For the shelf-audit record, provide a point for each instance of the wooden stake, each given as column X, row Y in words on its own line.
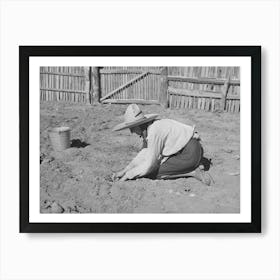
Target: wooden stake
column 163, row 98
column 96, row 81
column 89, row 93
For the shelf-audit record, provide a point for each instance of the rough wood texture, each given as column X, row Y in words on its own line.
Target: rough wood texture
column 188, row 87
column 127, row 71
column 163, row 100
column 147, row 88
column 224, row 94
column 213, row 81
column 96, row 83
column 61, row 73
column 63, row 90
column 198, row 93
column 89, row 93
column 203, row 94
column 63, row 84
column 124, row 86
column 131, row 101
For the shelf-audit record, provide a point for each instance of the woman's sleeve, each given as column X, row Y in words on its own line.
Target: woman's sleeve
column 152, row 157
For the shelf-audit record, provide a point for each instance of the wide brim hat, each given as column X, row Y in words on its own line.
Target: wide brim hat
column 134, row 117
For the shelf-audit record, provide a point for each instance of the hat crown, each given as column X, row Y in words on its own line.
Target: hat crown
column 133, row 113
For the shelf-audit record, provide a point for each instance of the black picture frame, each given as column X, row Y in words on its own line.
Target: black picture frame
column 254, row 52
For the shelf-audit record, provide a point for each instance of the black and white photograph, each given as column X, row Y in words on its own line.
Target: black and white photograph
column 140, row 139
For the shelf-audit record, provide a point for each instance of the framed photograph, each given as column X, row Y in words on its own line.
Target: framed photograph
column 156, row 139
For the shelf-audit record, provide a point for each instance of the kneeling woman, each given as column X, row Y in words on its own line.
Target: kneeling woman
column 171, row 149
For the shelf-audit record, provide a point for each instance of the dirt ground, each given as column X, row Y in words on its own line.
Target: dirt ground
column 76, row 180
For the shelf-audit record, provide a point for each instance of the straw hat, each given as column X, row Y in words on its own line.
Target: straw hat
column 134, row 117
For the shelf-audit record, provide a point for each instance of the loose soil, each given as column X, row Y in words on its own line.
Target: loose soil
column 77, row 180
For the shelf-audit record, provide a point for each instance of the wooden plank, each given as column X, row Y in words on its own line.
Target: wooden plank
column 233, row 106
column 238, row 107
column 187, row 102
column 163, row 97
column 212, row 81
column 213, row 105
column 124, row 86
column 207, row 101
column 61, row 74
column 89, row 93
column 203, row 104
column 63, row 90
column 191, row 102
column 233, row 97
column 183, row 102
column 57, row 83
column 128, row 71
column 199, row 103
column 96, row 83
column 224, row 94
column 194, row 103
column 176, row 102
column 197, row 93
column 130, row 101
column 170, row 101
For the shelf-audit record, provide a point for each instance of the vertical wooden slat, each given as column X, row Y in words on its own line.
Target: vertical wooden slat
column 97, row 83
column 198, row 102
column 224, row 94
column 89, row 93
column 213, row 105
column 56, row 84
column 164, row 88
column 202, row 103
column 233, row 106
column 47, row 86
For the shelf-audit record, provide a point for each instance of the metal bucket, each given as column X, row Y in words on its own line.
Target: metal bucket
column 60, row 138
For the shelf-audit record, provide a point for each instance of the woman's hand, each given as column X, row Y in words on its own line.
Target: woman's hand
column 124, row 178
column 116, row 176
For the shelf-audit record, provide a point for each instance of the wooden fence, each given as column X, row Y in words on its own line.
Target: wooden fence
column 63, row 84
column 204, row 88
column 125, row 84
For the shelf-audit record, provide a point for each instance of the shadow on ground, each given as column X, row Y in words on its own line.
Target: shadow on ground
column 77, row 143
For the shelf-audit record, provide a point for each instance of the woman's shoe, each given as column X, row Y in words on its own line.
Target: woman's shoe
column 203, row 176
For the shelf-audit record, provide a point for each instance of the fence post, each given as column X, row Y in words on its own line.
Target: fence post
column 96, row 86
column 89, row 94
column 224, row 94
column 163, row 98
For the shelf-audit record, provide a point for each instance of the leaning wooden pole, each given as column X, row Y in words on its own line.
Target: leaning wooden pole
column 163, row 98
column 96, row 83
